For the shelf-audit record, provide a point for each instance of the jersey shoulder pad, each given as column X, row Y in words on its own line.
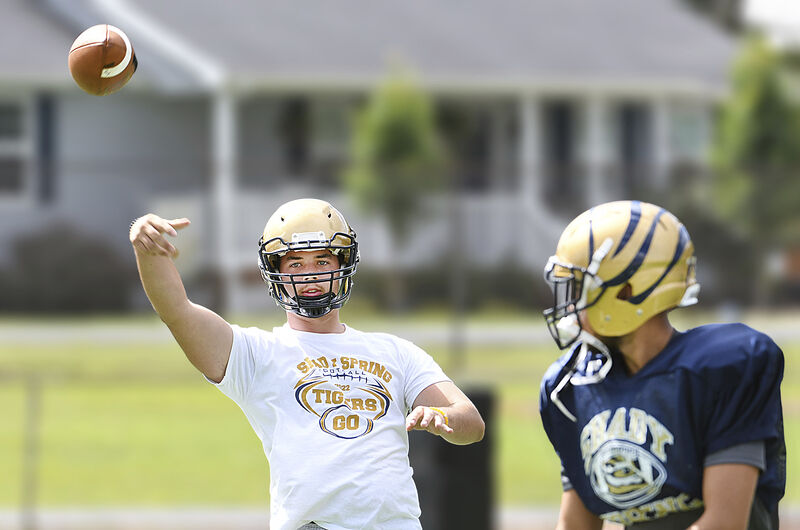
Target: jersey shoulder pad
column 719, row 346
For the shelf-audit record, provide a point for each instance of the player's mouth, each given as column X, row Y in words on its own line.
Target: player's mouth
column 311, row 292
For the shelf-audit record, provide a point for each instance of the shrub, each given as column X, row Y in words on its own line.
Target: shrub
column 65, row 271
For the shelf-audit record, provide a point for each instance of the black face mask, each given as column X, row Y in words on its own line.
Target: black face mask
column 282, row 284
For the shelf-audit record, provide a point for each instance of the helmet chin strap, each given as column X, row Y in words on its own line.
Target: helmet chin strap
column 304, row 307
column 596, row 369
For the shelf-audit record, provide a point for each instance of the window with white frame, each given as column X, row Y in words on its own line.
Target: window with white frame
column 15, row 134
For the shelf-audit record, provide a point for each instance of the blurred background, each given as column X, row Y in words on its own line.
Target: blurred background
column 458, row 138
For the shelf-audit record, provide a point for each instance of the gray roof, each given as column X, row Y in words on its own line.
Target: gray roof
column 454, row 43
column 33, row 44
column 469, row 41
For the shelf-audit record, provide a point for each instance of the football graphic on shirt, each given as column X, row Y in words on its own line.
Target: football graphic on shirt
column 346, row 401
column 624, row 474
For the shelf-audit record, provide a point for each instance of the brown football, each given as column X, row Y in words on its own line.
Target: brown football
column 101, row 60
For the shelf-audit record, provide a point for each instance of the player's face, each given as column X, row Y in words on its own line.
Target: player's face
column 585, row 325
column 315, row 269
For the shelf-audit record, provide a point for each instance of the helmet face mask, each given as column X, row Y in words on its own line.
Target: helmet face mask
column 308, row 225
column 574, row 290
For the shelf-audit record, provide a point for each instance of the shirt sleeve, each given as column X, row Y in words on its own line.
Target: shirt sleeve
column 750, row 453
column 746, row 401
column 421, row 372
column 241, row 369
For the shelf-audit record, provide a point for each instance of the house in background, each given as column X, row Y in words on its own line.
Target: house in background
column 240, row 106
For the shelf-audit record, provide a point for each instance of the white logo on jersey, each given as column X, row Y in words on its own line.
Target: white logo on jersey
column 624, row 474
column 621, row 470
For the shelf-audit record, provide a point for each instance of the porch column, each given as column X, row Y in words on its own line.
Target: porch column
column 530, row 149
column 597, row 155
column 499, row 148
column 662, row 153
column 223, row 147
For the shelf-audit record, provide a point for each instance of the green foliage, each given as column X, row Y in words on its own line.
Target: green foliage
column 757, row 153
column 396, row 155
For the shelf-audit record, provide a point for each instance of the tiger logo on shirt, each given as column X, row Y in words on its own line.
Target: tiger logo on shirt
column 346, row 395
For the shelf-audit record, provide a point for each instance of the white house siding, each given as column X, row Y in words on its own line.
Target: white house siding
column 114, row 154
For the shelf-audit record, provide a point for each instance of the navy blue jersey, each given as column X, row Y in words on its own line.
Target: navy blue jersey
column 637, row 449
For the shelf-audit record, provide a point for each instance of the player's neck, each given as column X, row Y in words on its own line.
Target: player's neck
column 325, row 324
column 644, row 344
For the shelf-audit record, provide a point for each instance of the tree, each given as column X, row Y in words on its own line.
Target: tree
column 396, row 158
column 757, row 154
column 396, row 153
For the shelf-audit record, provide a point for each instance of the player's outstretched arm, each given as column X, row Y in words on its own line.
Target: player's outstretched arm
column 203, row 335
column 443, row 409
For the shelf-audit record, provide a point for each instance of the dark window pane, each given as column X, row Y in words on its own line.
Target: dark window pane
column 10, row 121
column 294, row 130
column 11, row 170
column 46, row 117
column 563, row 183
column 634, row 146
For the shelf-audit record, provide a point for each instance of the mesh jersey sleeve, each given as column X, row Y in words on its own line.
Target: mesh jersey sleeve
column 750, row 453
column 421, row 371
column 746, row 396
column 241, row 369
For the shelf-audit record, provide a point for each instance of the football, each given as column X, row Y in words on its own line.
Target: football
column 101, row 60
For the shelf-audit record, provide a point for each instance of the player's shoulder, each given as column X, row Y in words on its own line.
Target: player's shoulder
column 381, row 338
column 715, row 346
column 253, row 334
column 251, row 330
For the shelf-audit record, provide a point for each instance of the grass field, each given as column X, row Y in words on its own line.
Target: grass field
column 131, row 423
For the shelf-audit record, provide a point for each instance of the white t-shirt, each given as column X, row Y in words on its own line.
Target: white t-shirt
column 330, row 411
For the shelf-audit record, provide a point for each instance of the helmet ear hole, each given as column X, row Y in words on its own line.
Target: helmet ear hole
column 625, row 293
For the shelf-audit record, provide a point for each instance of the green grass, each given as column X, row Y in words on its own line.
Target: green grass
column 128, row 424
column 175, row 444
column 134, row 424
column 11, row 446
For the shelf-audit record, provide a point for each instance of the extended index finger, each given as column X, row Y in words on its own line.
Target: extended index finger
column 181, row 222
column 170, row 226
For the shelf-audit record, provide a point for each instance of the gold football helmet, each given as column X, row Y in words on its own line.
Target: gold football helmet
column 622, row 263
column 308, row 225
